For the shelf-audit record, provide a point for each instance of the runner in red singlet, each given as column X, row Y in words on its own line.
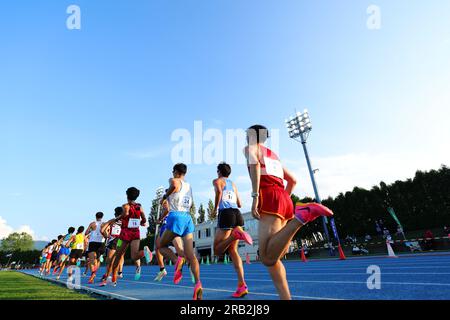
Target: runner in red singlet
column 132, row 218
column 273, row 207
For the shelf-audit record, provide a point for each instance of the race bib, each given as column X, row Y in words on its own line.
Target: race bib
column 115, row 230
column 80, row 246
column 274, row 168
column 229, row 196
column 186, row 203
column 134, row 223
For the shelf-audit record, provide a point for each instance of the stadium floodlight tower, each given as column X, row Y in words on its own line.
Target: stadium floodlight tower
column 299, row 126
column 159, row 195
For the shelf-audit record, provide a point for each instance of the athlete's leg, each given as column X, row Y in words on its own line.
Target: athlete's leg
column 222, row 241
column 63, row 266
column 92, row 261
column 136, row 254
column 179, row 247
column 159, row 256
column 122, row 261
column 275, row 235
column 166, row 238
column 120, row 253
column 237, row 262
column 111, row 257
column 188, row 242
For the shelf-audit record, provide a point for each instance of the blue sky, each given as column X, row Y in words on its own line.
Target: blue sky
column 87, row 113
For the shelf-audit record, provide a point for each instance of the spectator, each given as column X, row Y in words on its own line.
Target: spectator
column 368, row 238
column 399, row 231
column 386, row 233
column 348, row 240
column 446, row 231
column 378, row 228
column 428, row 240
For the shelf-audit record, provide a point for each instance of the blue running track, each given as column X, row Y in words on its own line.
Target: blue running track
column 419, row 277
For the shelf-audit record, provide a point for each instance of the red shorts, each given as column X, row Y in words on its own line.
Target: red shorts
column 129, row 235
column 275, row 200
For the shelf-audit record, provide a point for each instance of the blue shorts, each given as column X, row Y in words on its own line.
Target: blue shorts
column 180, row 223
column 64, row 252
column 162, row 229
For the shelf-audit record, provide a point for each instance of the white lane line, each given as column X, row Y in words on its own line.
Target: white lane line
column 313, row 273
column 110, row 294
column 333, row 273
column 342, row 282
column 223, row 290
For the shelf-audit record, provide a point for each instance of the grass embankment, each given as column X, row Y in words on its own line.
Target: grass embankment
column 18, row 286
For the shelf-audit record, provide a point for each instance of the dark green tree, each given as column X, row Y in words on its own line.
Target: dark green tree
column 201, row 214
column 17, row 242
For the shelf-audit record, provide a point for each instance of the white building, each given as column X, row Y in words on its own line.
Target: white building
column 205, row 232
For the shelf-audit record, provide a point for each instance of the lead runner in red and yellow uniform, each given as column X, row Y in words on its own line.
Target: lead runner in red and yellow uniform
column 273, row 207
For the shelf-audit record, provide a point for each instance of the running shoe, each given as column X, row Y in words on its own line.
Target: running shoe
column 309, row 212
column 241, row 291
column 137, row 276
column 240, row 234
column 121, row 275
column 198, row 291
column 179, row 270
column 103, row 283
column 148, row 255
column 57, row 278
column 161, row 275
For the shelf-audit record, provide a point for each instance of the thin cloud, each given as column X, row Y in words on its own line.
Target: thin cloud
column 6, row 230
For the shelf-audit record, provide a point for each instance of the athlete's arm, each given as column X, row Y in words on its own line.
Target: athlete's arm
column 174, row 185
column 166, row 211
column 71, row 240
column 218, row 191
column 254, row 169
column 106, row 229
column 143, row 218
column 291, row 181
column 108, row 224
column 126, row 209
column 89, row 229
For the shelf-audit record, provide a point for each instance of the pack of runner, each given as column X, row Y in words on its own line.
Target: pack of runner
column 279, row 221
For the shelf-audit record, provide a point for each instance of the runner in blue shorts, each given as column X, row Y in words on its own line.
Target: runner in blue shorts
column 166, row 252
column 180, row 224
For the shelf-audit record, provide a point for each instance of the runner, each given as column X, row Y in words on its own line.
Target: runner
column 111, row 231
column 78, row 244
column 55, row 254
column 166, row 252
column 48, row 263
column 43, row 260
column 132, row 218
column 180, row 224
column 96, row 245
column 65, row 251
column 273, row 207
column 230, row 223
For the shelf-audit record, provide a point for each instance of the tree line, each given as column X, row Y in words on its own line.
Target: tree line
column 422, row 202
